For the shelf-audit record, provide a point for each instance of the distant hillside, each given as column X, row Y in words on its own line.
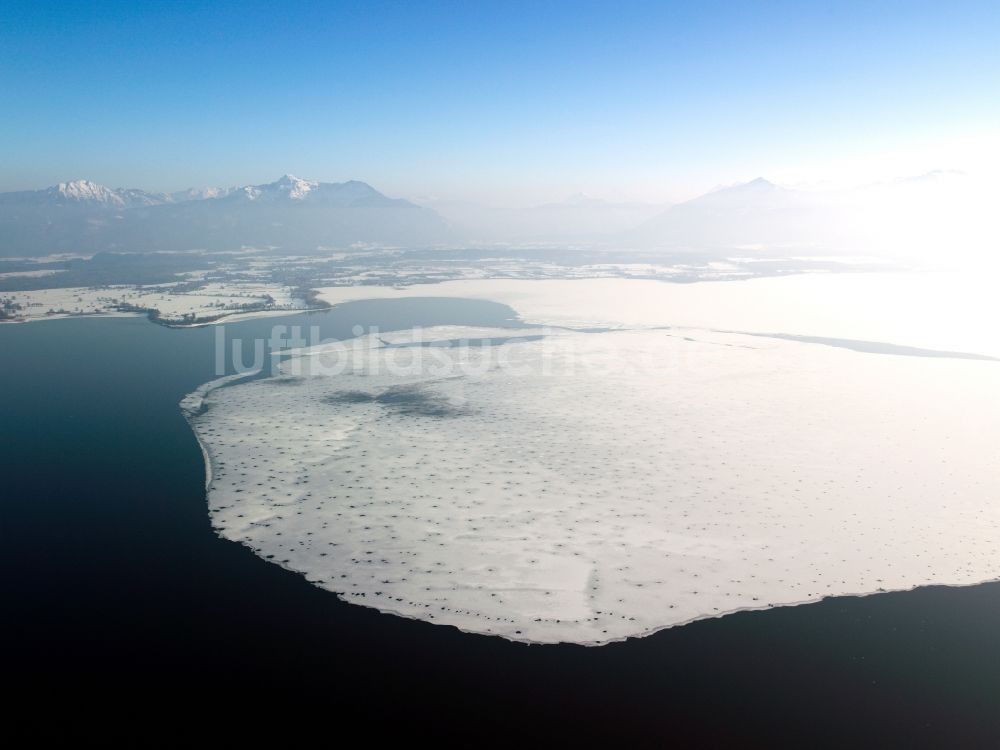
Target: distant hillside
column 755, row 215
column 578, row 218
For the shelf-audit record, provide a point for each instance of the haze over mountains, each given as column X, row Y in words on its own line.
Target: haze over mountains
column 940, row 211
column 757, row 214
column 940, row 216
column 579, row 218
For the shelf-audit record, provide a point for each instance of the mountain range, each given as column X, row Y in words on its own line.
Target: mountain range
column 290, row 213
column 926, row 215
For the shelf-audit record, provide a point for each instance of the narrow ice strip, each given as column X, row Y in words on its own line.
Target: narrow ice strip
column 940, row 311
column 438, row 336
column 871, row 347
column 587, row 488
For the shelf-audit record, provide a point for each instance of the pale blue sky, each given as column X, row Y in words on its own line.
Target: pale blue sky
column 491, row 101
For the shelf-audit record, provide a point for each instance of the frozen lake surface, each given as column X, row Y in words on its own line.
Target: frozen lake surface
column 568, row 486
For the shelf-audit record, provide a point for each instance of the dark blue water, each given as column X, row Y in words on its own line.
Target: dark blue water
column 116, row 591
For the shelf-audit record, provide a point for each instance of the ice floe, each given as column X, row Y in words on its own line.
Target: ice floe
column 561, row 486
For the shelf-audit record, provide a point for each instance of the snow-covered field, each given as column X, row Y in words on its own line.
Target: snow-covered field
column 592, row 486
column 173, row 304
column 204, row 286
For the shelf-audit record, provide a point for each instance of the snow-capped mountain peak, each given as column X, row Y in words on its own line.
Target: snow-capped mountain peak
column 87, row 193
column 286, row 187
column 85, row 190
column 295, row 187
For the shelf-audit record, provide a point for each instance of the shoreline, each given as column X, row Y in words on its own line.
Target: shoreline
column 193, row 404
column 170, row 323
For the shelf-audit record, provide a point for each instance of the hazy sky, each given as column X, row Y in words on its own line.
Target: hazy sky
column 506, row 101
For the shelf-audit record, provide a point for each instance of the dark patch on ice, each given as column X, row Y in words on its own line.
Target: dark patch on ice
column 290, row 381
column 407, row 400
column 350, row 397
